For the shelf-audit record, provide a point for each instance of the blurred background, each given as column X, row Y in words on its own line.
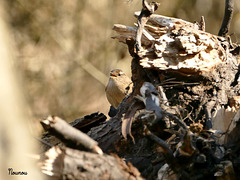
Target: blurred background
column 65, row 51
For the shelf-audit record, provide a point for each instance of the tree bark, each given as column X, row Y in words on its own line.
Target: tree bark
column 66, row 163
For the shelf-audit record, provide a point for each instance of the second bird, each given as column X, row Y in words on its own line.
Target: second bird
column 119, row 85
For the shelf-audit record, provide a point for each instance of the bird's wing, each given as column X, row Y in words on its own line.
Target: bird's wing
column 128, row 89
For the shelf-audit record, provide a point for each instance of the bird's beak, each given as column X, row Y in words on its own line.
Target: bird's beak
column 112, row 74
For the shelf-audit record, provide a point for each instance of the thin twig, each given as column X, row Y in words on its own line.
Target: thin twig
column 229, row 4
column 189, row 114
column 202, row 23
column 177, row 120
column 92, row 70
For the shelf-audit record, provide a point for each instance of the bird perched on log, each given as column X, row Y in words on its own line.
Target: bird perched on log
column 149, row 96
column 118, row 87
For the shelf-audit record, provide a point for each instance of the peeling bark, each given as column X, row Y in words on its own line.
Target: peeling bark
column 66, row 163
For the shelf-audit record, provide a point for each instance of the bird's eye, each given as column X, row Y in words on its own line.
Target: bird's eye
column 119, row 74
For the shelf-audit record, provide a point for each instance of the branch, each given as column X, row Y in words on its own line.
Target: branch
column 166, row 151
column 70, row 136
column 229, row 4
column 146, row 12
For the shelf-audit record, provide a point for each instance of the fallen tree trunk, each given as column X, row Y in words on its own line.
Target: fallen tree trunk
column 61, row 162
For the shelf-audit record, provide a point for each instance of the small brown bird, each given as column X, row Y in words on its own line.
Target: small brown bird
column 119, row 85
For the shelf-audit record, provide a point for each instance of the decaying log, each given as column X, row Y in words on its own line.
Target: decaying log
column 183, row 113
column 67, row 163
column 61, row 162
column 196, row 74
column 171, row 44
